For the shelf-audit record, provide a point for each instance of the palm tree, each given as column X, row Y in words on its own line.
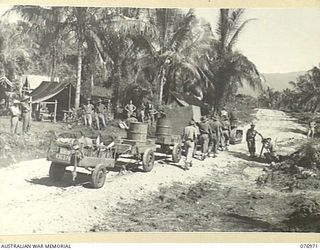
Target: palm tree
column 49, row 22
column 171, row 47
column 226, row 68
column 60, row 23
column 307, row 89
column 15, row 51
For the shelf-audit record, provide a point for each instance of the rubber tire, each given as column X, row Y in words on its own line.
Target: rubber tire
column 148, row 160
column 176, row 153
column 56, row 171
column 98, row 176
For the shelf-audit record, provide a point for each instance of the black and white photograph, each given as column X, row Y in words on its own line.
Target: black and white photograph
column 127, row 119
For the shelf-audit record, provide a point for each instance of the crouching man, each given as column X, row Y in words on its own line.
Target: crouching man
column 271, row 154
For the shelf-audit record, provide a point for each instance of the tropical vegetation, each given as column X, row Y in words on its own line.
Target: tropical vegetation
column 139, row 54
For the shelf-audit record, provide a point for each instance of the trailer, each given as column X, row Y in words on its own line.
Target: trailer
column 169, row 143
column 86, row 153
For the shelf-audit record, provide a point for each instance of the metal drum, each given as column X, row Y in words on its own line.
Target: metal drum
column 138, row 131
column 163, row 127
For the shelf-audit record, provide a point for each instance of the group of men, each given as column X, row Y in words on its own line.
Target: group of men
column 100, row 112
column 20, row 111
column 212, row 133
column 146, row 112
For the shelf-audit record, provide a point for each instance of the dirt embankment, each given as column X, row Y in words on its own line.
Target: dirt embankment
column 220, row 194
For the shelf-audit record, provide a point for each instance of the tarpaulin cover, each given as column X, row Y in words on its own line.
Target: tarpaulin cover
column 47, row 90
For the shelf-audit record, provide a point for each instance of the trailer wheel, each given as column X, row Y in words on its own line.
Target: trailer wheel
column 56, row 171
column 176, row 153
column 98, row 176
column 148, row 160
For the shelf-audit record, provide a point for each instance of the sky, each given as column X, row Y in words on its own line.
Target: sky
column 279, row 41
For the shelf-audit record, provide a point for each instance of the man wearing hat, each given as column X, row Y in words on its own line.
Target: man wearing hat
column 189, row 136
column 88, row 111
column 215, row 135
column 15, row 114
column 26, row 117
column 251, row 139
column 226, row 131
column 205, row 133
column 271, row 154
column 100, row 114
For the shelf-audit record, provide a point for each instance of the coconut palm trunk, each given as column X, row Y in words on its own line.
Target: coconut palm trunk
column 79, row 72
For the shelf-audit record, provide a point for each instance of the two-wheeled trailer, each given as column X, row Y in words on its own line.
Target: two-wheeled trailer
column 83, row 153
column 169, row 143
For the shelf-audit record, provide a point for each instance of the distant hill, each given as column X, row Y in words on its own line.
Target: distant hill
column 277, row 81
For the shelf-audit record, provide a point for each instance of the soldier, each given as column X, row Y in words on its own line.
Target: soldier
column 271, row 154
column 251, row 139
column 233, row 118
column 226, row 130
column 100, row 111
column 311, row 129
column 142, row 112
column 150, row 110
column 25, row 111
column 109, row 112
column 130, row 108
column 15, row 115
column 215, row 135
column 189, row 136
column 205, row 133
column 88, row 112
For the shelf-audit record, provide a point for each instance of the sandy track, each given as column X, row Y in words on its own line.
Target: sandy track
column 31, row 203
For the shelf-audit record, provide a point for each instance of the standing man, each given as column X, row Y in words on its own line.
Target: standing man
column 205, row 133
column 150, row 110
column 215, row 135
column 251, row 139
column 15, row 114
column 189, row 136
column 109, row 112
column 233, row 118
column 88, row 111
column 26, row 115
column 226, row 130
column 311, row 129
column 130, row 108
column 100, row 114
column 142, row 112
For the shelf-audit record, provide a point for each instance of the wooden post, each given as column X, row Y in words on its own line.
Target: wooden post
column 30, row 99
column 55, row 111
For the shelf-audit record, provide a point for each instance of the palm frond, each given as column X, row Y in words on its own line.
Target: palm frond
column 236, row 34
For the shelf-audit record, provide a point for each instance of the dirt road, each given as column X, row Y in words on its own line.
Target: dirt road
column 31, row 203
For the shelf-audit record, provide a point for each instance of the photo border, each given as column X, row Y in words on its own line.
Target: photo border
column 171, row 237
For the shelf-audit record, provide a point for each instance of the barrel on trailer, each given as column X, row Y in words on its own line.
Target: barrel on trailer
column 138, row 131
column 164, row 128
